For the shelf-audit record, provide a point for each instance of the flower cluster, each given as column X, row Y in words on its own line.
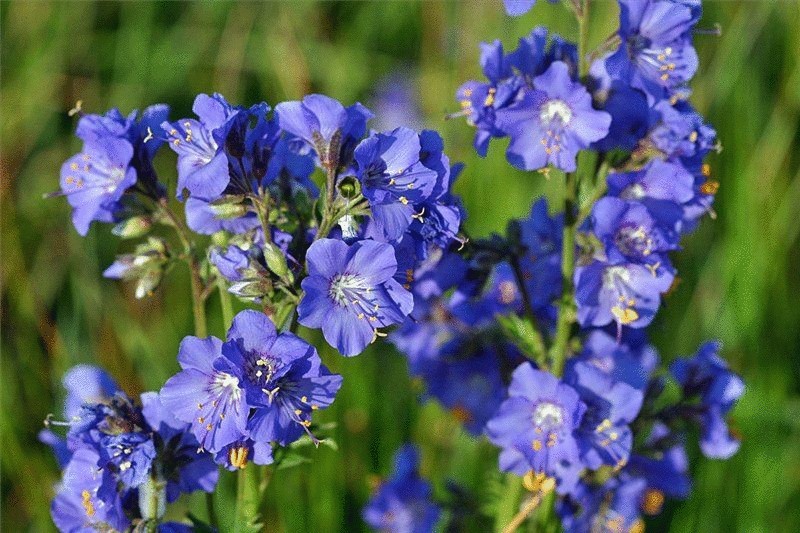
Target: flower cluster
column 534, row 339
column 257, row 388
column 122, row 462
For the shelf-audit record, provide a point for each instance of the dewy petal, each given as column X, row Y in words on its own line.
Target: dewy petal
column 252, row 331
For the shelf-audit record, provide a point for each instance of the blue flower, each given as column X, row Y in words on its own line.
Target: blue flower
column 329, row 128
column 550, row 124
column 350, row 292
column 393, row 179
column 139, row 133
column 536, row 427
column 656, row 54
column 626, row 293
column 480, row 101
column 705, row 378
column 629, row 232
column 403, row 504
column 283, row 379
column 605, row 435
column 540, row 256
column 623, row 361
column 206, row 394
column 87, row 499
column 202, row 162
column 95, row 180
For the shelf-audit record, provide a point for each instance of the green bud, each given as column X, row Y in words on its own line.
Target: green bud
column 350, row 187
column 133, row 227
column 275, row 260
column 229, row 211
column 148, row 282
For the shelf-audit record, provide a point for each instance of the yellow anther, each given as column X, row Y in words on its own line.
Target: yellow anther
column 86, row 501
column 709, row 187
column 403, row 200
column 304, row 399
column 536, row 445
column 201, row 419
column 693, row 136
column 73, row 166
column 624, row 315
column 652, row 502
column 298, row 412
column 208, row 427
column 238, row 456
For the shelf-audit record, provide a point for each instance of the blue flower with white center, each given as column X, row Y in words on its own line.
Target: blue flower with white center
column 710, row 391
column 605, row 435
column 393, row 179
column 202, row 162
column 350, row 293
column 326, row 126
column 403, row 503
column 95, row 180
column 681, row 133
column 627, row 293
column 629, row 232
column 283, row 378
column 536, row 427
column 206, row 394
column 656, row 54
column 550, row 124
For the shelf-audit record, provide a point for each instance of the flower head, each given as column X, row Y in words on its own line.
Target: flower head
column 656, row 54
column 550, row 124
column 95, row 180
column 350, row 292
column 536, row 427
column 206, row 394
column 393, row 179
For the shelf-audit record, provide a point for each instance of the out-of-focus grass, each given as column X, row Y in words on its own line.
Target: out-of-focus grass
column 739, row 273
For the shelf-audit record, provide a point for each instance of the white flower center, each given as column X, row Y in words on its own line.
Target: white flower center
column 548, row 415
column 614, row 274
column 634, row 191
column 553, row 109
column 342, row 284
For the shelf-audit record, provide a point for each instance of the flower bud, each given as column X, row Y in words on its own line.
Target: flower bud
column 133, row 227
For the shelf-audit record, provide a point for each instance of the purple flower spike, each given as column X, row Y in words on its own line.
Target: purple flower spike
column 550, row 124
column 350, row 293
column 536, row 427
column 206, row 395
column 95, row 180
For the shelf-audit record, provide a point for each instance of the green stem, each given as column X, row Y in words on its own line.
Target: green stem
column 566, row 309
column 198, row 301
column 583, row 38
column 241, row 488
column 225, row 302
column 508, row 506
column 601, row 185
column 212, row 511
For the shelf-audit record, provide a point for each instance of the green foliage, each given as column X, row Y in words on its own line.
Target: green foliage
column 739, row 276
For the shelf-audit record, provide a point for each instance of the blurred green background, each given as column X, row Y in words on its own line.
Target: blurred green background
column 740, row 275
